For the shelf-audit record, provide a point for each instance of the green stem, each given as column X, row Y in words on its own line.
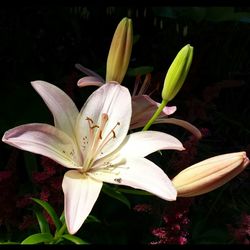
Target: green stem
column 156, row 114
column 60, row 232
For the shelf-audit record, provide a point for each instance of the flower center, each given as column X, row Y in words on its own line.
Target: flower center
column 96, row 141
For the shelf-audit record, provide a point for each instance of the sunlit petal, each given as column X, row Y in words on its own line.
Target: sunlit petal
column 89, row 81
column 188, row 126
column 143, row 108
column 113, row 100
column 142, row 174
column 143, row 143
column 80, row 195
column 89, row 72
column 62, row 107
column 45, row 140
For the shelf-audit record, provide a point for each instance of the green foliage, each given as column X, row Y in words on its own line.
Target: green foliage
column 112, row 192
column 49, row 209
column 198, row 14
column 74, row 239
column 143, row 70
column 38, row 238
column 43, row 224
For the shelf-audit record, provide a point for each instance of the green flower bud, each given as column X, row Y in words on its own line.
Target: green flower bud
column 177, row 73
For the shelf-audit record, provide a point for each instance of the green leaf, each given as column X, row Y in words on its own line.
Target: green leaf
column 50, row 210
column 164, row 12
column 143, row 70
column 38, row 238
column 43, row 224
column 10, row 243
column 133, row 191
column 74, row 239
column 62, row 218
column 92, row 218
column 136, row 38
column 115, row 194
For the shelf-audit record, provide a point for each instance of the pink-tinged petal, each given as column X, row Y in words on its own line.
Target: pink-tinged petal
column 80, row 195
column 89, row 81
column 143, row 108
column 139, row 173
column 188, row 126
column 113, row 100
column 45, row 140
column 143, row 143
column 89, row 72
column 60, row 104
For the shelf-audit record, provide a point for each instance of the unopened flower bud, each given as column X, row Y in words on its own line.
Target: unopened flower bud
column 177, row 73
column 209, row 174
column 120, row 51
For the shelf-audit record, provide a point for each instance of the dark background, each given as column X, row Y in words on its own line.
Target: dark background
column 44, row 43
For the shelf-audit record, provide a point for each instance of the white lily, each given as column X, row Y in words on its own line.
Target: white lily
column 143, row 106
column 95, row 145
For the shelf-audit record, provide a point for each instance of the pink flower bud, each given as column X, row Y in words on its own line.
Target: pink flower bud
column 209, row 174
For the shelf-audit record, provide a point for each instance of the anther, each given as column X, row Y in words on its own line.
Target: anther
column 119, row 180
column 89, row 119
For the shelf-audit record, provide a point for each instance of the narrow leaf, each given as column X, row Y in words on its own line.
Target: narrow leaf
column 10, row 243
column 115, row 194
column 50, row 210
column 143, row 70
column 43, row 224
column 133, row 191
column 74, row 239
column 62, row 218
column 92, row 218
column 38, row 238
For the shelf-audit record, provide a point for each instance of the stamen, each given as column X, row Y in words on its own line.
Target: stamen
column 119, row 180
column 95, row 126
column 89, row 120
column 103, row 123
column 93, row 145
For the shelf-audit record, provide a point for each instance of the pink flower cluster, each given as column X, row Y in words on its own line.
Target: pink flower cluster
column 175, row 224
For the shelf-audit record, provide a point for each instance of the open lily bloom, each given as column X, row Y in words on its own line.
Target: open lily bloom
column 94, row 144
column 143, row 106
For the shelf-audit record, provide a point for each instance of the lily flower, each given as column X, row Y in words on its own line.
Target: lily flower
column 209, row 174
column 94, row 144
column 143, row 106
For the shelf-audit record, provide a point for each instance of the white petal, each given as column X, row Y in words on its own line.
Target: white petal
column 188, row 126
column 89, row 72
column 45, row 140
column 143, row 108
column 143, row 143
column 60, row 104
column 142, row 174
column 80, row 195
column 89, row 81
column 113, row 100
